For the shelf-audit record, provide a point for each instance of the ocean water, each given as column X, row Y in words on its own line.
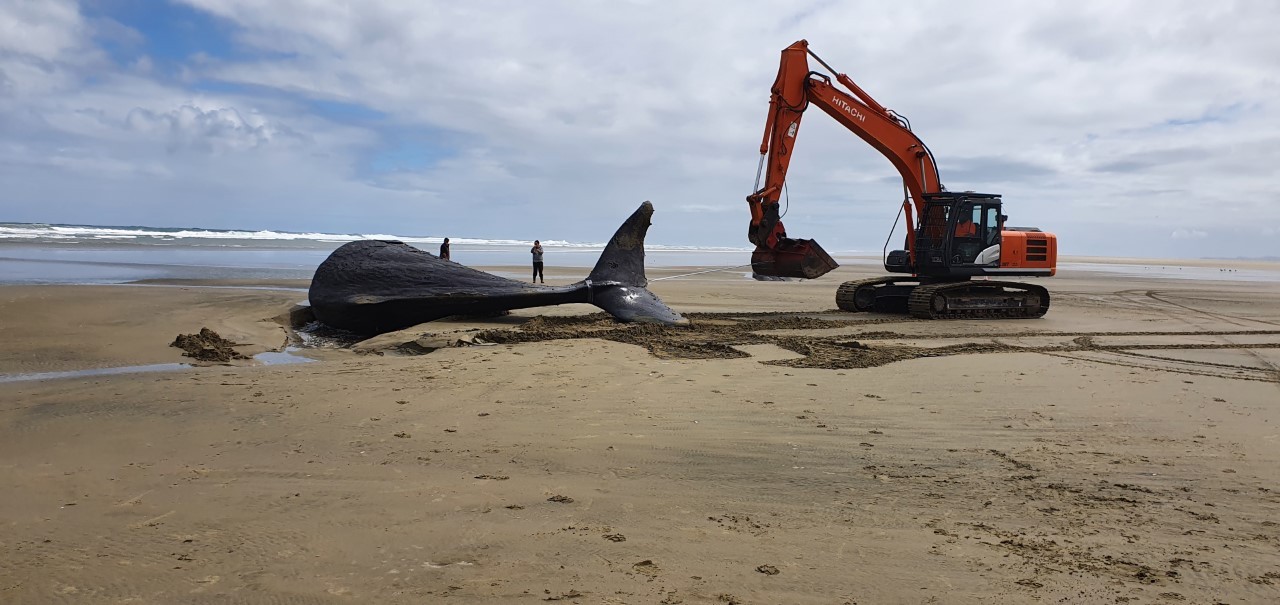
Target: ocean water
column 85, row 254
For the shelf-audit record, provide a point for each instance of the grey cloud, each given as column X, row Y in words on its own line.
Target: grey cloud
column 1145, row 160
column 977, row 170
column 223, row 129
column 1083, row 37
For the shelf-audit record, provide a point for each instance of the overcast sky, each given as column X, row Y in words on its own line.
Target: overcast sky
column 1127, row 128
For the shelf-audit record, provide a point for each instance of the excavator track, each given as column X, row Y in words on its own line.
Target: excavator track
column 859, row 296
column 978, row 300
column 949, row 300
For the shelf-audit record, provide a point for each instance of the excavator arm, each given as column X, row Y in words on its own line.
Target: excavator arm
column 795, row 88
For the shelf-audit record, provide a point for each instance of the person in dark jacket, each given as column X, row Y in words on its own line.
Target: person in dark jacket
column 444, row 249
column 536, row 251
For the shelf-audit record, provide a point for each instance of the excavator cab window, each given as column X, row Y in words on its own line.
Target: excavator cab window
column 991, row 226
column 976, row 233
column 967, row 243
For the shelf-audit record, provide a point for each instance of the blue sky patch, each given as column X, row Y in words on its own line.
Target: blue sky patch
column 171, row 32
column 1211, row 115
column 407, row 152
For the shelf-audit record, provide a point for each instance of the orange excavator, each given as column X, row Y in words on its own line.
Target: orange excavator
column 952, row 237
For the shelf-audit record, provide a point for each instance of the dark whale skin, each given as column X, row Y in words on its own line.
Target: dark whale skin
column 376, row 286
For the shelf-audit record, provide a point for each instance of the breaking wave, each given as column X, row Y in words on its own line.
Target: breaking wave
column 91, row 233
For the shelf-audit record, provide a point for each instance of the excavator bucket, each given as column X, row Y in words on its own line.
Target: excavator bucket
column 793, row 258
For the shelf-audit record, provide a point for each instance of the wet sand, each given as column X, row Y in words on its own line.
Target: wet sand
column 1123, row 449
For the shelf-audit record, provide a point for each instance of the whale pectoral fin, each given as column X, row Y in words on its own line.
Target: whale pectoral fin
column 635, row 304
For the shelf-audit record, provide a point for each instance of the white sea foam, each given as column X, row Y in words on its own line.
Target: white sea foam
column 29, row 231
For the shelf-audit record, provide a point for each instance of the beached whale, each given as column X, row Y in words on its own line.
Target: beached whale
column 377, row 286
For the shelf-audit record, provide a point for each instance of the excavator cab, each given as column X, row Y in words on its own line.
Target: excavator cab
column 957, row 235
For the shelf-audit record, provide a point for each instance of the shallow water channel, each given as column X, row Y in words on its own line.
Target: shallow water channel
column 268, row 358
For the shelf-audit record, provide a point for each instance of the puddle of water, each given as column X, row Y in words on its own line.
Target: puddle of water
column 270, row 358
column 316, row 335
column 155, row 367
column 285, row 357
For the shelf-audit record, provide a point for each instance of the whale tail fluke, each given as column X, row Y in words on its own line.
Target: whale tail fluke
column 618, row 283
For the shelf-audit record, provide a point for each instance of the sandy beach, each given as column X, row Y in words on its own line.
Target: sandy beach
column 1123, row 449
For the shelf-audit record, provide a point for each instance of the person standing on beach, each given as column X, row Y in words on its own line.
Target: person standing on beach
column 537, row 261
column 444, row 249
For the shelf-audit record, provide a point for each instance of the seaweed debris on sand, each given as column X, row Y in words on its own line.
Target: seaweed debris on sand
column 207, row 345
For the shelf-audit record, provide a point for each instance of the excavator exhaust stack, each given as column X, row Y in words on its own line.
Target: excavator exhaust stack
column 793, row 258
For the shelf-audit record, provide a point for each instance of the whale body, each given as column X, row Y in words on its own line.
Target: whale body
column 376, row 286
